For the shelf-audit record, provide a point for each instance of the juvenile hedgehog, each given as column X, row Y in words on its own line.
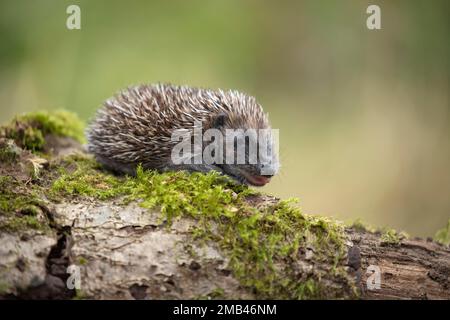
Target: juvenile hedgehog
column 136, row 127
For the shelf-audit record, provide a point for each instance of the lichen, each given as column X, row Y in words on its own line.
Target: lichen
column 263, row 246
column 29, row 130
column 443, row 235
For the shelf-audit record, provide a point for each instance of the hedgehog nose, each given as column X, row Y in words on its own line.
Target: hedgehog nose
column 268, row 170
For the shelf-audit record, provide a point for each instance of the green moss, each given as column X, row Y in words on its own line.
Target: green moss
column 392, row 237
column 12, row 200
column 87, row 180
column 9, row 152
column 263, row 245
column 33, row 139
column 16, row 223
column 79, row 295
column 260, row 241
column 19, row 208
column 4, row 287
column 443, row 235
column 29, row 130
column 308, row 289
column 82, row 261
column 387, row 236
column 217, row 293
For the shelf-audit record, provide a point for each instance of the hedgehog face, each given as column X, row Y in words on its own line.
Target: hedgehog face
column 250, row 172
column 249, row 154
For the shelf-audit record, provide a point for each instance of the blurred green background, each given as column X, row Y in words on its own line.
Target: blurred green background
column 363, row 115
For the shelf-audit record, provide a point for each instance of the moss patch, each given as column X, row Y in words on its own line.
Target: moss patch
column 9, row 152
column 388, row 236
column 216, row 294
column 81, row 175
column 16, row 223
column 392, row 237
column 443, row 235
column 265, row 246
column 19, row 209
column 4, row 287
column 29, row 130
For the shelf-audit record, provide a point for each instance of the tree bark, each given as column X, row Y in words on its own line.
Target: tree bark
column 127, row 252
column 411, row 269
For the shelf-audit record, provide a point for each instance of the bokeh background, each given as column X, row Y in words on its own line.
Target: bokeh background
column 364, row 116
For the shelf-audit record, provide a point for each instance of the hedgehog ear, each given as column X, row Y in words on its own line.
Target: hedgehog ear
column 219, row 120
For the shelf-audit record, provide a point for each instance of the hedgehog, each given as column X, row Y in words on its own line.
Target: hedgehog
column 136, row 127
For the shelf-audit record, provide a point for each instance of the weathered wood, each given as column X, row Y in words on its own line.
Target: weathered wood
column 411, row 269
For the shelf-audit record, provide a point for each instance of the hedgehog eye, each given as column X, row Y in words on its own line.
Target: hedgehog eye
column 219, row 121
